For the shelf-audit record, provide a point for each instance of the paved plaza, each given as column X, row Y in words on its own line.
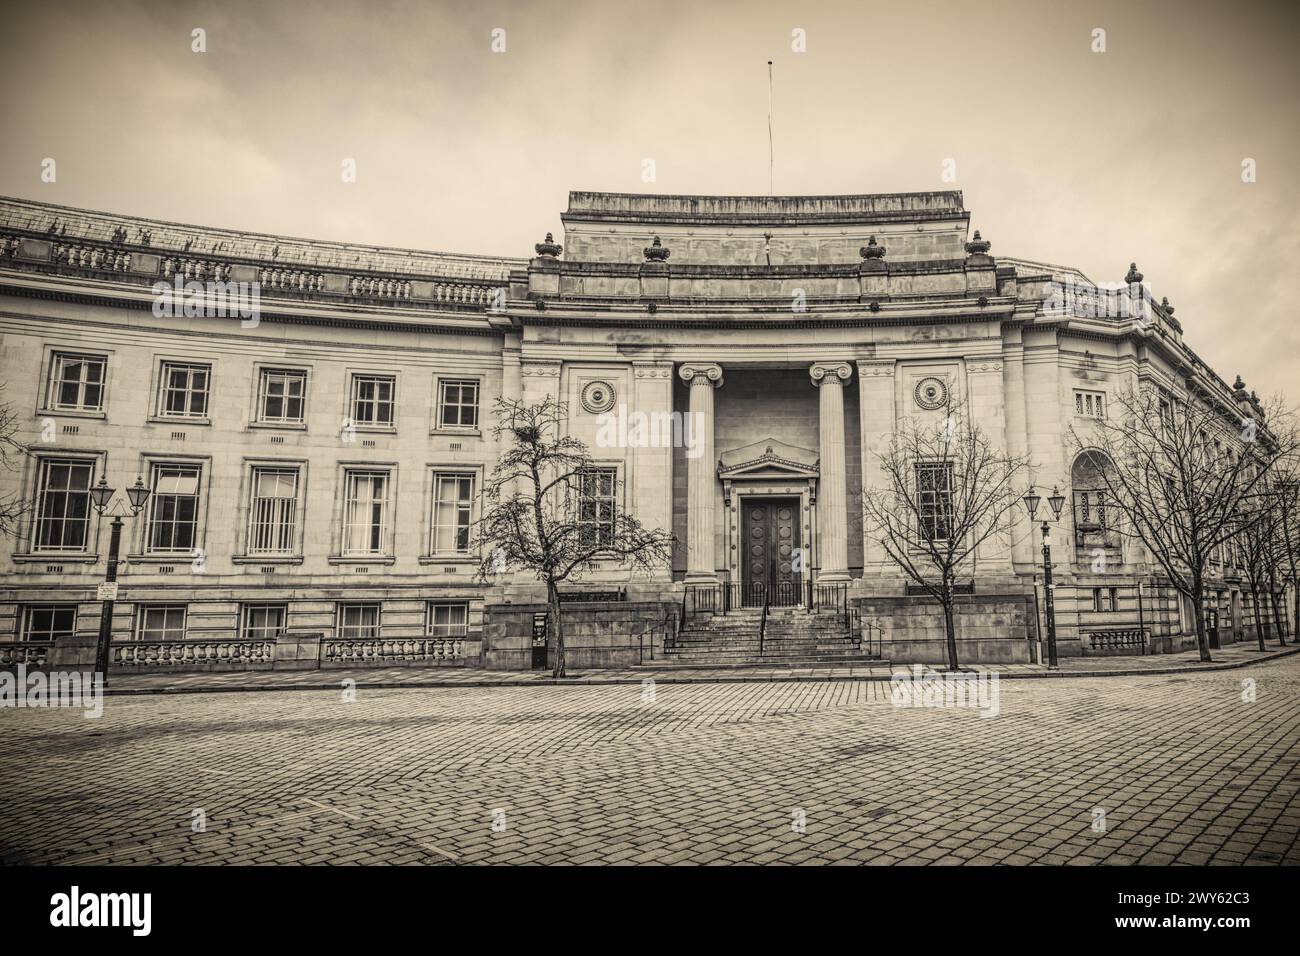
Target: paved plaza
column 1201, row 767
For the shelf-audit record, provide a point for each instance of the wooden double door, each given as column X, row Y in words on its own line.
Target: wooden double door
column 770, row 530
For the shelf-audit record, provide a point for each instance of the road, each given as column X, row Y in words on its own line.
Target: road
column 1149, row 769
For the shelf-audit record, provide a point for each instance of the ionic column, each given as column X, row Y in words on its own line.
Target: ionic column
column 832, row 495
column 702, row 378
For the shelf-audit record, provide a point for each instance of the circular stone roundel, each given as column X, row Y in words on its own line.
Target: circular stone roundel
column 598, row 397
column 931, row 393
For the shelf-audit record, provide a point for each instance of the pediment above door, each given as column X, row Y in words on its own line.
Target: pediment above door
column 770, row 466
column 768, row 459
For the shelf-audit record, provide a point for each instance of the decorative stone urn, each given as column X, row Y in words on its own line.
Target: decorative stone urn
column 549, row 249
column 871, row 250
column 978, row 246
column 656, row 251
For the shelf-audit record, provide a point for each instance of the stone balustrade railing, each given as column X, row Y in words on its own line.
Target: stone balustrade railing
column 1124, row 637
column 196, row 269
column 146, row 654
column 104, row 257
column 29, row 653
column 380, row 287
column 294, row 280
column 385, row 650
column 80, row 255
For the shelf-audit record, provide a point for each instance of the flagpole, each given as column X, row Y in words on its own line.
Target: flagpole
column 771, row 182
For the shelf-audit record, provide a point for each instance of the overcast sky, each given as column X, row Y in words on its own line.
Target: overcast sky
column 1064, row 155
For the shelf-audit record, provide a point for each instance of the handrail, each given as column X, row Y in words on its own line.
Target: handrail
column 762, row 623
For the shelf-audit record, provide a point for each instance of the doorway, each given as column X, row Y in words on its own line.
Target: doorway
column 771, row 535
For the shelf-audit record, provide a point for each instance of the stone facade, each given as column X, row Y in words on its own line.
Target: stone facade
column 787, row 336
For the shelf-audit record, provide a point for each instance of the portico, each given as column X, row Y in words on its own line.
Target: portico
column 767, row 511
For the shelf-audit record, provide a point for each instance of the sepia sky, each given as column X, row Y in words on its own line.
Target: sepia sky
column 1064, row 155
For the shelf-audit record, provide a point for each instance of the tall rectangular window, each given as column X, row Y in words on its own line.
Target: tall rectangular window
column 280, row 396
column 45, row 622
column 263, row 622
column 596, row 500
column 183, row 390
column 372, row 399
column 365, row 512
column 458, row 403
column 934, row 499
column 447, row 619
column 174, row 509
column 62, row 521
column 160, row 622
column 273, row 511
column 452, row 508
column 76, row 382
column 358, row 622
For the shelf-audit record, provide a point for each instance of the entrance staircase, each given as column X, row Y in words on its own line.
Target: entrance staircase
column 787, row 637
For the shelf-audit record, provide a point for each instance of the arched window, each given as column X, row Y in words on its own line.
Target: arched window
column 1093, row 514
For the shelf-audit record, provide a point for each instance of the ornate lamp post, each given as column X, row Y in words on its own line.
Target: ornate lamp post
column 101, row 495
column 1057, row 502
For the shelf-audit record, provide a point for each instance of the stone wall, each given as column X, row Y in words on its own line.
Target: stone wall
column 991, row 629
column 605, row 634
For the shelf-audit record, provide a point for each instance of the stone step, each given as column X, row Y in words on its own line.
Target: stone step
column 677, row 653
column 772, row 628
column 830, row 641
column 808, row 641
column 754, row 662
column 775, row 641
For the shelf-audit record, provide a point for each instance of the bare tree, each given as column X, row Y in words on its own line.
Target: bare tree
column 1288, row 485
column 947, row 489
column 1187, row 476
column 550, row 509
column 1259, row 539
column 1284, row 556
column 12, row 505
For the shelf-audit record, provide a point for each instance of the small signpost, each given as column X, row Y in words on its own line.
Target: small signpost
column 107, row 591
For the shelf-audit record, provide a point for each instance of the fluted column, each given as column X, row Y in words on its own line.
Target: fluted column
column 702, row 378
column 832, row 496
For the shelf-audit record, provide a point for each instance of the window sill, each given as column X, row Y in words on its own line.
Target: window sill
column 70, row 413
column 160, row 420
column 374, row 429
column 386, row 559
column 54, row 557
column 179, row 557
column 467, row 559
column 457, row 432
column 280, row 426
column 266, row 559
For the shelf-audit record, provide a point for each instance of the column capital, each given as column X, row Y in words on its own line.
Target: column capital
column 825, row 373
column 701, row 373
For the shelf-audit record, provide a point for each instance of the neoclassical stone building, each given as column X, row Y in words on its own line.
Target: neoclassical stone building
column 733, row 362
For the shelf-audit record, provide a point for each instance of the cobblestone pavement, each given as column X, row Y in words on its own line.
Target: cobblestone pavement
column 1184, row 769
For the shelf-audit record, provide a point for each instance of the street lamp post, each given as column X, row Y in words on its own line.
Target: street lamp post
column 101, row 496
column 1057, row 502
